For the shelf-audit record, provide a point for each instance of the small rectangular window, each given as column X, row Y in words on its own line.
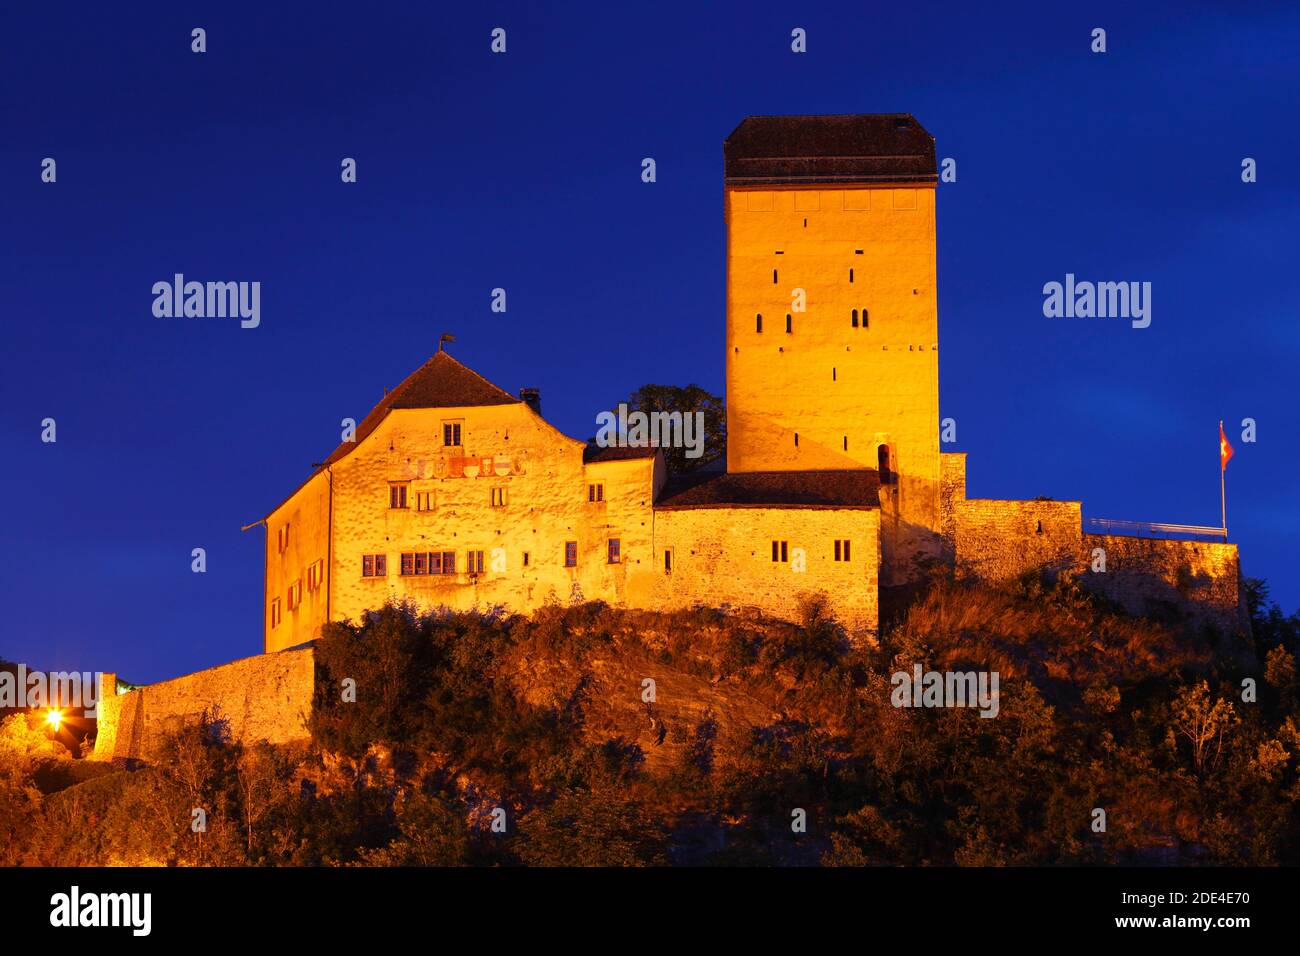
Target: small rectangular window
column 570, row 554
column 424, row 501
column 527, row 558
column 449, row 562
column 758, row 322
column 367, row 565
column 668, row 562
column 615, row 548
column 435, row 562
column 282, row 538
column 451, row 434
column 780, row 551
column 596, row 492
column 498, row 497
column 773, row 277
column 408, row 562
column 474, row 562
column 788, row 324
column 421, row 562
column 843, row 550
column 315, row 574
column 381, row 565
column 397, row 496
column 275, row 612
column 850, row 275
column 294, row 597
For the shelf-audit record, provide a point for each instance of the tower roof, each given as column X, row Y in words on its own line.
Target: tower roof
column 441, row 382
column 845, row 149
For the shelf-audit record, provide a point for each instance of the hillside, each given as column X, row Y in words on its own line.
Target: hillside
column 501, row 739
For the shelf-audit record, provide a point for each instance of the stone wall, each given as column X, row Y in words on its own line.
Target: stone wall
column 267, row 697
column 1001, row 540
column 723, row 556
column 1150, row 575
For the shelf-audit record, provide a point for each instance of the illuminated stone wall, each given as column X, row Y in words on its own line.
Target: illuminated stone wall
column 267, row 697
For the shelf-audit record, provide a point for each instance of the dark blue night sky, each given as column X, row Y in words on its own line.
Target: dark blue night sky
column 523, row 171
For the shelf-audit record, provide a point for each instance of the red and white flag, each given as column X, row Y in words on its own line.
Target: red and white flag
column 1225, row 450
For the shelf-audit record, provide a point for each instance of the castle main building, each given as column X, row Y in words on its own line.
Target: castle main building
column 456, row 493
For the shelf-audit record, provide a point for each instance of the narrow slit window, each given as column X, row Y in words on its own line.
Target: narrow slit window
column 758, row 322
column 864, row 318
column 668, row 562
column 773, row 277
column 570, row 554
column 789, row 324
column 850, row 275
column 855, row 318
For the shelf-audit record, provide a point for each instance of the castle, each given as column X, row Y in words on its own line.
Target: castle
column 456, row 493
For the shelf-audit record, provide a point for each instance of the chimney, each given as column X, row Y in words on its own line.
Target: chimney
column 532, row 397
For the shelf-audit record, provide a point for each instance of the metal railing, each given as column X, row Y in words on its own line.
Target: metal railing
column 1151, row 528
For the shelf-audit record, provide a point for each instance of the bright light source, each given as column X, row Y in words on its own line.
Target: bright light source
column 53, row 718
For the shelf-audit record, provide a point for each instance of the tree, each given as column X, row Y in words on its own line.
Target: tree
column 688, row 401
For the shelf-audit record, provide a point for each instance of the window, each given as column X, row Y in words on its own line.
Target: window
column 882, row 458
column 275, row 612
column 842, row 550
column 570, row 554
column 295, row 594
column 397, row 496
column 615, row 547
column 668, row 562
column 424, row 501
column 788, row 326
column 758, row 322
column 374, row 565
column 596, row 492
column 315, row 574
column 421, row 562
column 527, row 558
column 435, row 562
column 855, row 318
column 408, row 563
column 498, row 497
column 773, row 277
column 846, row 442
column 282, row 538
column 449, row 562
column 451, row 434
column 474, row 562
column 780, row 551
column 796, row 439
column 850, row 275
column 864, row 318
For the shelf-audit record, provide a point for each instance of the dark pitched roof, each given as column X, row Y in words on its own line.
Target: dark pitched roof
column 856, row 488
column 596, row 453
column 858, row 148
column 441, row 382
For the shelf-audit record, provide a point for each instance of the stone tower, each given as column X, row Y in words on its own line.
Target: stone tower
column 832, row 326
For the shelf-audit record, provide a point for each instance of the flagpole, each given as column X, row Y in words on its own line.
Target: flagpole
column 1223, row 494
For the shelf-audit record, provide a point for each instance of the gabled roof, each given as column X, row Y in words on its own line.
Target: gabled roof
column 849, row 488
column 441, row 382
column 846, row 149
